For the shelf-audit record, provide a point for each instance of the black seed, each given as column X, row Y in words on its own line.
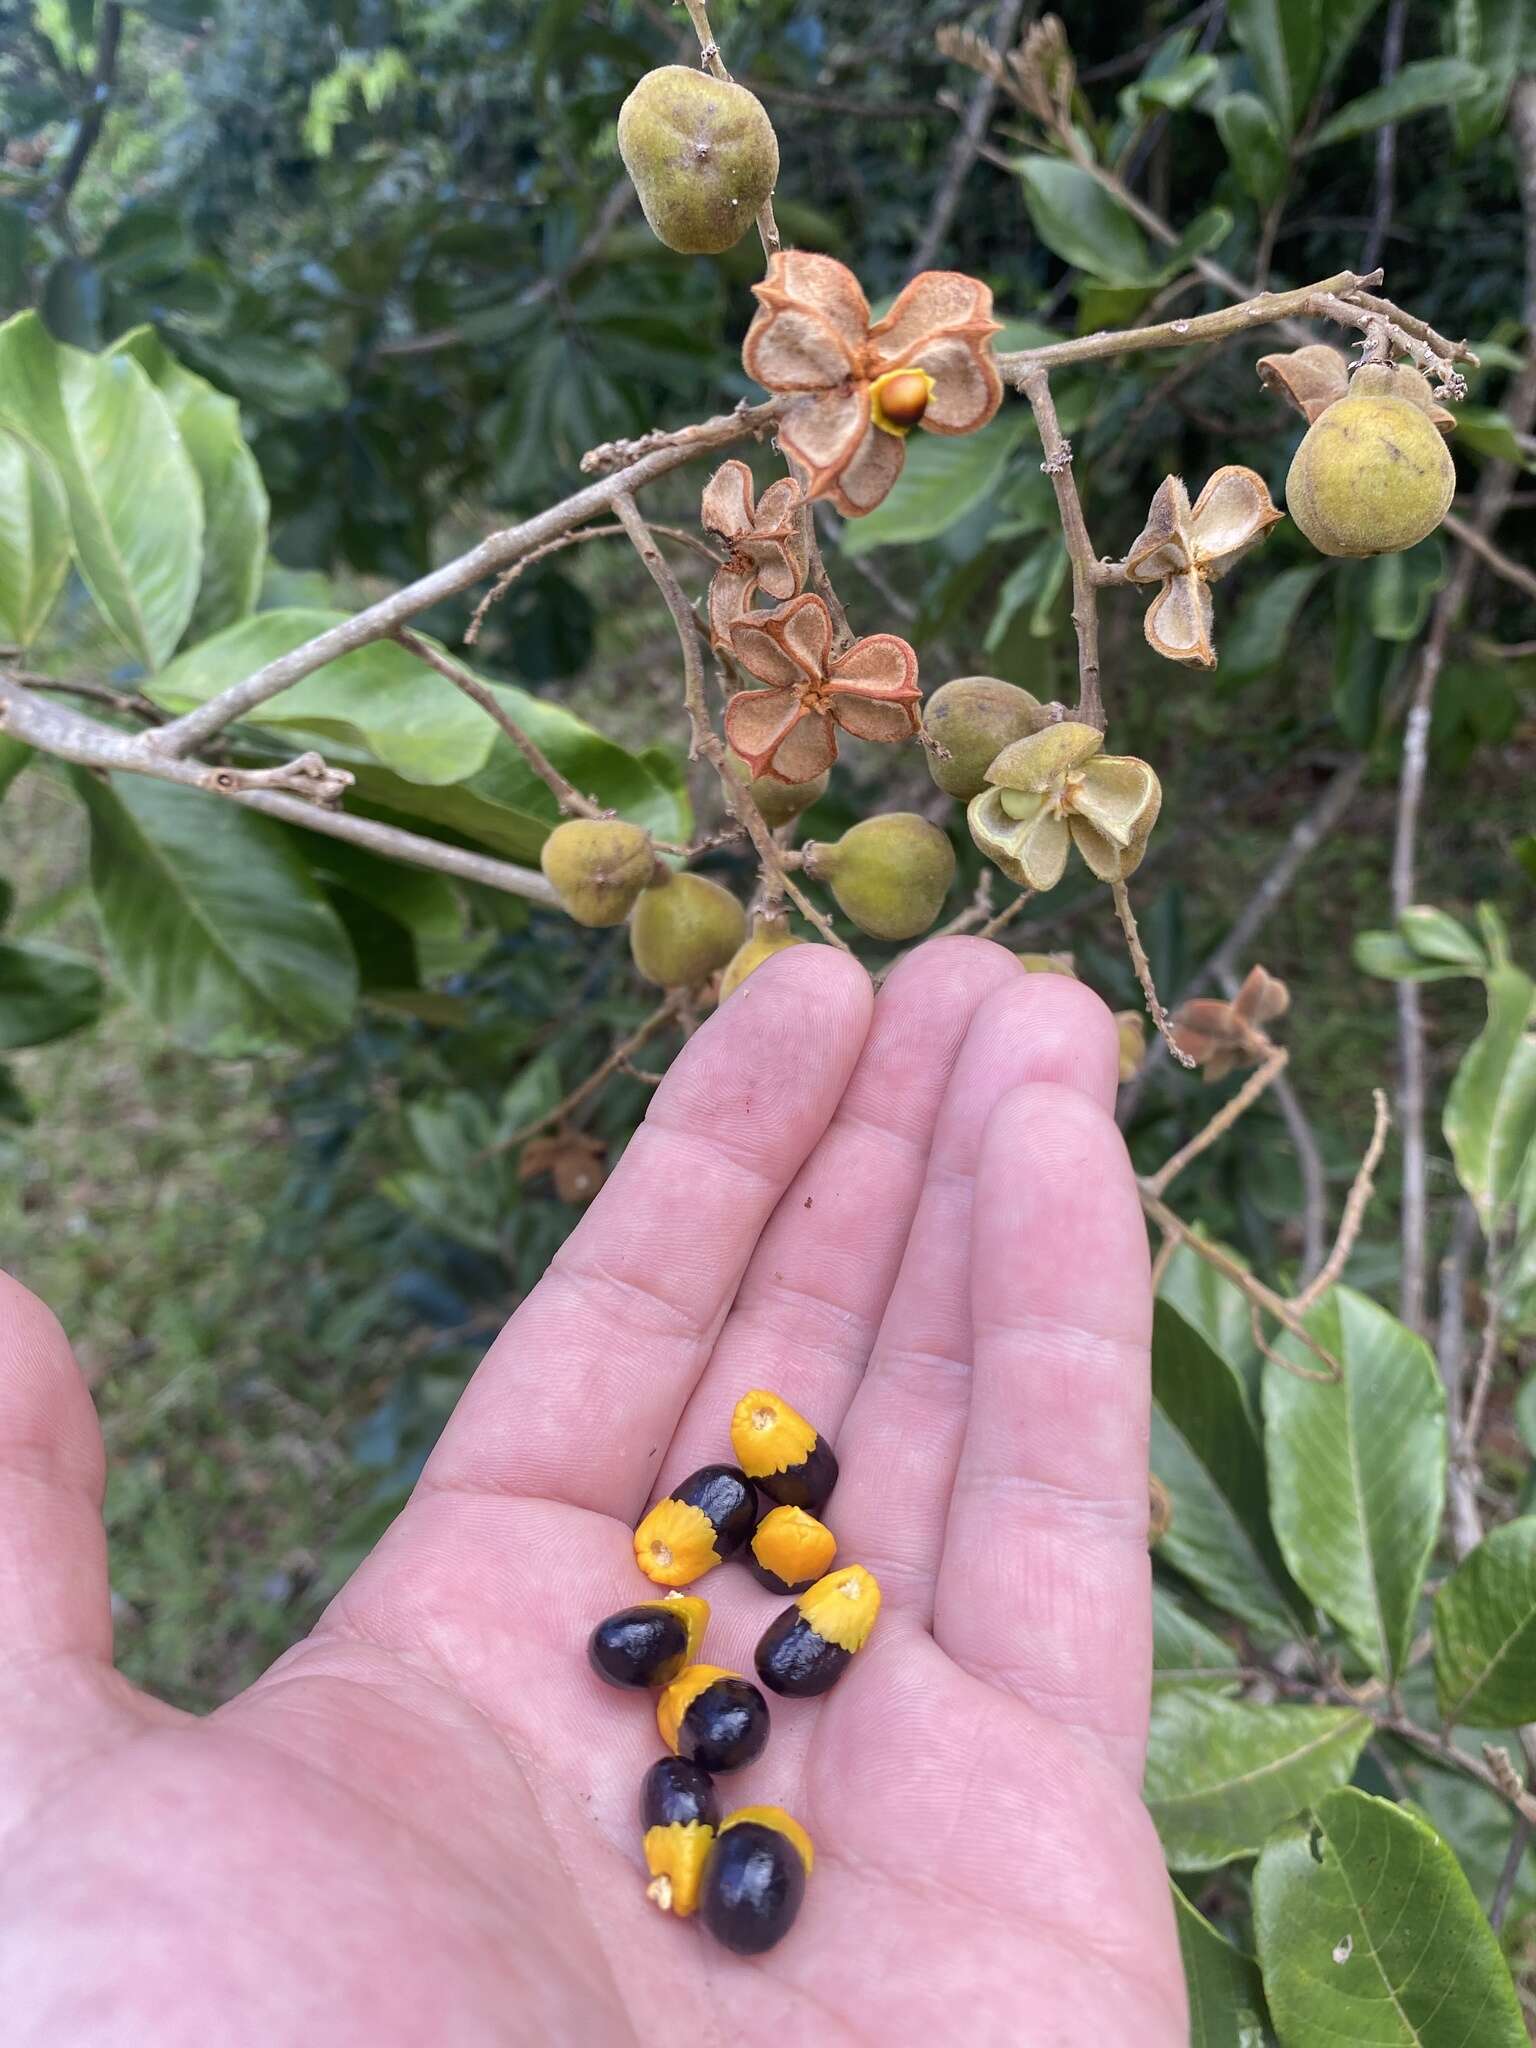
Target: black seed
column 805, row 1485
column 753, row 1884
column 726, row 1727
column 771, row 1580
column 724, row 1496
column 793, row 1660
column 674, row 1791
column 639, row 1646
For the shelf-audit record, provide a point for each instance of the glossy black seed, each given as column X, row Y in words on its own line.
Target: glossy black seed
column 639, row 1646
column 805, row 1485
column 753, row 1884
column 675, row 1792
column 725, row 1498
column 771, row 1580
column 793, row 1660
column 726, row 1727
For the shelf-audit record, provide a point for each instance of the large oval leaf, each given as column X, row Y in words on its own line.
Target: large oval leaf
column 1490, row 1109
column 1076, row 218
column 34, row 540
column 135, row 507
column 944, row 477
column 1485, row 1631
column 212, row 919
column 45, row 992
column 1431, row 82
column 234, row 496
column 1185, row 1651
column 1357, row 1472
column 1222, row 1774
column 1226, row 1996
column 1206, row 1452
column 1369, row 1933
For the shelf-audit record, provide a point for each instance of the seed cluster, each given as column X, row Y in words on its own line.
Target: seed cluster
column 745, row 1875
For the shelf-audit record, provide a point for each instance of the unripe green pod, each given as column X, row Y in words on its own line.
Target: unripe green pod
column 766, row 940
column 889, row 874
column 1372, row 476
column 702, row 154
column 598, row 866
column 779, row 802
column 684, row 929
column 973, row 719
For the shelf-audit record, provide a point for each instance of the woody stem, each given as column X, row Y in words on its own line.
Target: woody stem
column 1036, row 385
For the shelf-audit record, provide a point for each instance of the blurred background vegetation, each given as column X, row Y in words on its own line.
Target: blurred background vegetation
column 399, row 236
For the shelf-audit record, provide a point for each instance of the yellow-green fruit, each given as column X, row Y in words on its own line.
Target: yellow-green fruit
column 684, row 930
column 702, row 154
column 598, row 867
column 1372, row 476
column 766, row 940
column 973, row 719
column 889, row 874
column 780, row 802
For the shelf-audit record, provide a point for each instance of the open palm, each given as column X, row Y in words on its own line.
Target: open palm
column 915, row 1220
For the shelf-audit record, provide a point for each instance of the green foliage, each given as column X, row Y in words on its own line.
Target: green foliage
column 1485, row 1631
column 1490, row 1111
column 1226, row 1998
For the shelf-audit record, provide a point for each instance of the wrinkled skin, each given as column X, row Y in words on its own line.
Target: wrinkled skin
column 915, row 1220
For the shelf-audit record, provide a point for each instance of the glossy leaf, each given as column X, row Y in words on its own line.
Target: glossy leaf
column 1253, row 141
column 34, row 540
column 944, row 478
column 1431, row 82
column 1078, row 220
column 1226, row 1993
column 1256, row 640
column 234, row 497
column 1217, row 1311
column 1206, row 1452
column 1368, row 1933
column 1282, row 40
column 292, row 383
column 213, row 920
column 1489, row 34
column 45, row 993
column 1490, row 1110
column 1403, row 587
column 1484, row 1621
column 135, row 507
column 1357, row 1471
column 1186, row 1647
column 1223, row 1774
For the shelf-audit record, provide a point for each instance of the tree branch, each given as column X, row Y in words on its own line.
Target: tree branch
column 967, row 145
column 1035, row 383
column 109, row 36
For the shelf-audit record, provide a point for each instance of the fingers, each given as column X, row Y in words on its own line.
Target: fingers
column 1044, row 1582
column 579, row 1395
column 811, row 1301
column 54, row 1599
column 901, row 1441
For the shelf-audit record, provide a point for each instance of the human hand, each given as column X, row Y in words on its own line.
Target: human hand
column 420, row 1826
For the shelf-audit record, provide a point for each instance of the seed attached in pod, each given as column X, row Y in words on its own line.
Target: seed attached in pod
column 649, row 1643
column 713, row 1718
column 789, row 1550
column 780, row 1451
column 679, row 1813
column 807, row 1650
column 755, row 1878
column 699, row 1525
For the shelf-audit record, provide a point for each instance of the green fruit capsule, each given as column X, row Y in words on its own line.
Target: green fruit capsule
column 890, row 874
column 679, row 1814
column 684, row 929
column 807, row 1650
column 780, row 1452
column 973, row 719
column 755, row 1879
column 648, row 1644
column 700, row 1524
column 598, row 866
column 713, row 1718
column 702, row 154
column 790, row 1550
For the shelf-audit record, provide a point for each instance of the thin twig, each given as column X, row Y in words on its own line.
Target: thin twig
column 1143, row 968
column 1471, row 1427
column 93, row 693
column 1509, row 1876
column 104, row 76
column 617, row 1059
column 505, row 581
column 1502, row 565
column 1036, row 386
column 1223, row 1120
column 566, row 795
column 1355, row 1206
column 1006, row 915
column 1386, row 140
column 1314, row 1179
column 967, row 145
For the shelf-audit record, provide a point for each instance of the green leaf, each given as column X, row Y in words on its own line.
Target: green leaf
column 1341, row 21
column 1226, row 1994
column 135, row 508
column 1363, row 666
column 234, row 496
column 1077, row 219
column 291, row 382
column 1431, row 82
column 1223, row 1774
column 378, row 699
column 13, row 253
column 1252, row 139
column 1368, row 1932
column 1488, row 34
column 1484, row 1621
column 1172, row 87
column 1487, row 431
column 944, row 478
column 45, row 993
column 1357, row 1471
column 1402, row 587
column 1256, row 641
column 1490, row 1110
column 1183, row 1645
column 14, row 1106
column 1217, row 1311
column 34, row 540
column 1206, row 1452
column 1436, row 935
column 1282, row 42
column 212, row 919
column 71, row 302
column 13, row 758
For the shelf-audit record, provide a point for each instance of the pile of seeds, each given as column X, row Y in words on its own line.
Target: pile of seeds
column 744, row 1875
